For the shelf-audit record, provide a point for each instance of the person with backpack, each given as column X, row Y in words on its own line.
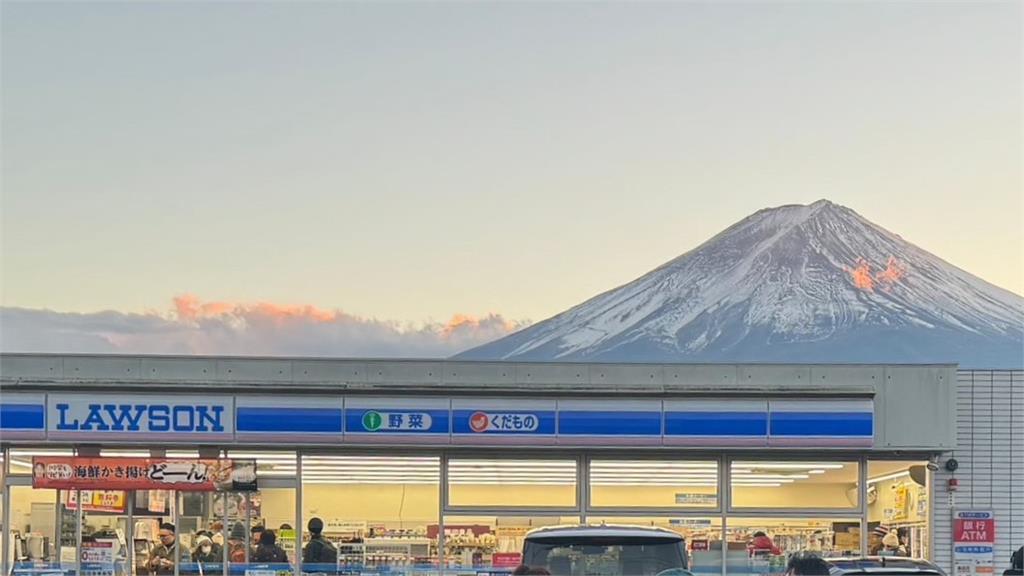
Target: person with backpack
column 319, row 550
column 267, row 551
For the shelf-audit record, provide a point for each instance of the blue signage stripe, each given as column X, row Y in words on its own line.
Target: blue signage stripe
column 716, row 423
column 439, row 421
column 286, row 419
column 22, row 417
column 852, row 424
column 545, row 421
column 604, row 423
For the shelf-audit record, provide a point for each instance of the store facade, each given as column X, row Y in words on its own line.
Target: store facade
column 427, row 467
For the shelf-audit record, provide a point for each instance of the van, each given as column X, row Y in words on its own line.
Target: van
column 604, row 551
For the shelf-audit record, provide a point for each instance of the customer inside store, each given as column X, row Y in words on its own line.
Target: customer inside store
column 162, row 556
column 267, row 551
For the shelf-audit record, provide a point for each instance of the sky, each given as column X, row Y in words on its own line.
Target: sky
column 418, row 166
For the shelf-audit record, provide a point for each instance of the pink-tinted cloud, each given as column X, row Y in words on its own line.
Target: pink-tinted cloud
column 194, row 326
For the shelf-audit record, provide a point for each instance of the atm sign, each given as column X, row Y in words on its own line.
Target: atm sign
column 974, row 529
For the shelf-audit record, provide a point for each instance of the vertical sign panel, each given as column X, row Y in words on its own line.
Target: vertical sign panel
column 974, row 537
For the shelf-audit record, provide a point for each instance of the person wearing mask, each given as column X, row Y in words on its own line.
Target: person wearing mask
column 807, row 565
column 268, row 551
column 319, row 550
column 207, row 551
column 162, row 556
column 762, row 544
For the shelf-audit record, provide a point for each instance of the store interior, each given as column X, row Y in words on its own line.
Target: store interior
column 384, row 511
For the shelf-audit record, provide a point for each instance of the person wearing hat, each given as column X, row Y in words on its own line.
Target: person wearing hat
column 236, row 543
column 163, row 556
column 891, row 545
column 875, row 545
column 319, row 550
column 207, row 551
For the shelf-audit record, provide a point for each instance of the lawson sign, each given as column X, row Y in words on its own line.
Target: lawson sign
column 193, row 417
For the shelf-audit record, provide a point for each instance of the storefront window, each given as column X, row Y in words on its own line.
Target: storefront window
column 34, row 542
column 104, row 546
column 376, row 511
column 702, row 536
column 510, row 483
column 653, row 483
column 794, row 484
column 763, row 545
column 475, row 544
column 898, row 502
column 21, row 459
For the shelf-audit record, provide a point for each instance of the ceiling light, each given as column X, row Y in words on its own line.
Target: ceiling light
column 889, row 477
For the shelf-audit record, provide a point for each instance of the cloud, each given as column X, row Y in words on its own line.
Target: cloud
column 193, row 326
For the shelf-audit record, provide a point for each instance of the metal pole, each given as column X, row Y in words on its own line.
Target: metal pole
column 6, row 522
column 298, row 514
column 248, row 525
column 129, row 533
column 862, row 504
column 442, row 494
column 725, row 503
column 78, row 532
column 224, row 531
column 176, row 553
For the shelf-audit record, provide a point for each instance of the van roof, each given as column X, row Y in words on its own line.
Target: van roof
column 602, row 530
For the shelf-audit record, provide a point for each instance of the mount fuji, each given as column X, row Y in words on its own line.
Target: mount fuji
column 816, row 283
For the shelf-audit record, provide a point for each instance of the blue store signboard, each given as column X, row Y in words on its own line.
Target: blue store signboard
column 188, row 418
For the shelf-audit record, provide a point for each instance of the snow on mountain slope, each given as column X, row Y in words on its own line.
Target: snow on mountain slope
column 815, row 283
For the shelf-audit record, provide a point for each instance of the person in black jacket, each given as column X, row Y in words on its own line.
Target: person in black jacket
column 267, row 551
column 319, row 550
column 1016, row 563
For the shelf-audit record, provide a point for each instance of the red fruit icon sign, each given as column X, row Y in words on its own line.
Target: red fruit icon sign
column 478, row 422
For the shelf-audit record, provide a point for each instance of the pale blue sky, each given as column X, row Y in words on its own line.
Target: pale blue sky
column 410, row 161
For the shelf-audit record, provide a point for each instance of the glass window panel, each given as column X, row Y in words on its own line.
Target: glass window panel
column 481, row 544
column 376, row 513
column 762, row 545
column 898, row 501
column 104, row 549
column 511, row 483
column 277, row 464
column 21, row 458
column 34, row 541
column 793, row 484
column 703, row 537
column 654, row 483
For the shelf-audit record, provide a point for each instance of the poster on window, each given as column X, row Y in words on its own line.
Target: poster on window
column 96, row 500
column 98, row 558
column 197, row 475
column 974, row 536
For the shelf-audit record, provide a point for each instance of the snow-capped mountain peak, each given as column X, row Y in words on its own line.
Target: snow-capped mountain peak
column 814, row 283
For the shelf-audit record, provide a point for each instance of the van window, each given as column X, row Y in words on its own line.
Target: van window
column 606, row 556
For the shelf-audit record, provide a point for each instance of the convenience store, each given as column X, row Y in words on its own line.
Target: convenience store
column 421, row 467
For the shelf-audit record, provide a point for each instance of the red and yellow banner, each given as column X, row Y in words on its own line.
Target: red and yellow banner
column 195, row 475
column 96, row 500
